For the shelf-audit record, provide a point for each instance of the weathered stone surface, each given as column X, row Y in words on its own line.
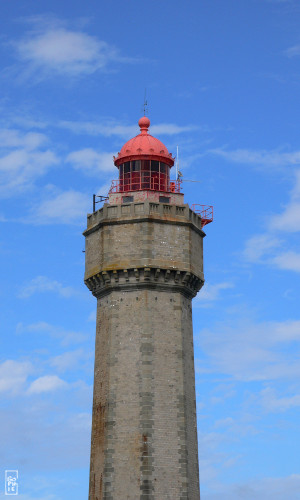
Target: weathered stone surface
column 161, row 236
column 144, row 270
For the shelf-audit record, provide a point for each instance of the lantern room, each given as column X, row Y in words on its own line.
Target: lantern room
column 144, row 164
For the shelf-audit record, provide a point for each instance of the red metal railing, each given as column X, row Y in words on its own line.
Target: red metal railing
column 206, row 213
column 139, row 183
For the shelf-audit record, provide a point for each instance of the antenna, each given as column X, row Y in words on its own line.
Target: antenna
column 101, row 199
column 145, row 103
column 188, row 180
column 179, row 176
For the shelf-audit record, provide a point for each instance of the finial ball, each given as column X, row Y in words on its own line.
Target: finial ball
column 144, row 123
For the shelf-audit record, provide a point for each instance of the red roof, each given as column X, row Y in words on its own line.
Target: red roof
column 144, row 146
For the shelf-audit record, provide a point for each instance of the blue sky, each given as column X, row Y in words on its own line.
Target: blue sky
column 223, row 83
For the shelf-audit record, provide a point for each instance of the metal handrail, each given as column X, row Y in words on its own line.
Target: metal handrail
column 206, row 213
column 141, row 183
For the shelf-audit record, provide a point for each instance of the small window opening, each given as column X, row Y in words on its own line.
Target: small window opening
column 127, row 199
column 164, row 199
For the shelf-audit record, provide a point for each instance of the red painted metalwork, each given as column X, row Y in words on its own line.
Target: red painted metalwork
column 141, row 183
column 144, row 163
column 144, row 146
column 206, row 213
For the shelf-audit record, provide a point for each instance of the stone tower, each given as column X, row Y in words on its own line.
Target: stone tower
column 144, row 264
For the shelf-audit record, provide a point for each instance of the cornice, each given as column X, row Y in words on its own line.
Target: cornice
column 131, row 279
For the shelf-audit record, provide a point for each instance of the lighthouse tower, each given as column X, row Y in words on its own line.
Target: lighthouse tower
column 144, row 264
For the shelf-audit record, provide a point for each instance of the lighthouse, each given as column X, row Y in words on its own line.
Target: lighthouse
column 144, row 264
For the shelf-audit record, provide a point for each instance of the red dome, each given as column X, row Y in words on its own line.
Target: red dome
column 144, row 146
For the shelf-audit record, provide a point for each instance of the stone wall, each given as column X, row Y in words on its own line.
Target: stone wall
column 144, row 235
column 144, row 263
column 144, row 441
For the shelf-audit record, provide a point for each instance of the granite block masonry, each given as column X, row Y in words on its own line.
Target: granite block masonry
column 144, row 264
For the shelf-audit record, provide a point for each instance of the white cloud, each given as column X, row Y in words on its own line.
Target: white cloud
column 289, row 261
column 12, row 138
column 70, row 360
column 113, row 128
column 25, row 121
column 289, row 219
column 272, row 403
column 260, row 158
column 224, row 422
column 209, row 456
column 293, row 51
column 92, row 316
column 13, row 375
column 42, row 284
column 92, row 162
column 45, row 384
column 81, row 421
column 66, row 337
column 22, row 161
column 271, row 488
column 252, row 352
column 221, row 391
column 40, row 496
column 171, row 129
column 58, row 50
column 34, row 327
column 210, row 293
column 268, row 249
column 67, row 207
column 43, row 433
column 107, row 129
column 103, row 190
column 235, row 427
column 259, row 245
